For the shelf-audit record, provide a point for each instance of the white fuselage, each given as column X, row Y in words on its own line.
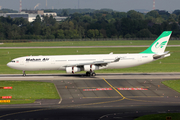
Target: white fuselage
column 59, row 62
column 90, row 63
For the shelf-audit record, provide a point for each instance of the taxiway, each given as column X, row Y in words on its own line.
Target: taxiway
column 104, row 97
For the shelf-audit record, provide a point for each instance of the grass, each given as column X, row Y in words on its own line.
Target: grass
column 174, row 116
column 87, row 43
column 169, row 64
column 174, row 84
column 27, row 91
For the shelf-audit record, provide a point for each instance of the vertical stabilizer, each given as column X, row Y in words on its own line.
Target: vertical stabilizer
column 159, row 44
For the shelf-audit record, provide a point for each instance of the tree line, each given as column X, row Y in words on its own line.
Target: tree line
column 97, row 24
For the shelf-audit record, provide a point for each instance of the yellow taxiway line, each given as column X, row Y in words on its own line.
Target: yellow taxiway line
column 114, row 88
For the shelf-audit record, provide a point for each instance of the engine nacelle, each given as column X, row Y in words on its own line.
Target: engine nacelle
column 73, row 69
column 91, row 67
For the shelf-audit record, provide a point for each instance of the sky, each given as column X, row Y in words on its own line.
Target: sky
column 119, row 5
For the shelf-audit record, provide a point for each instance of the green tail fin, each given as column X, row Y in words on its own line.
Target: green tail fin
column 159, row 44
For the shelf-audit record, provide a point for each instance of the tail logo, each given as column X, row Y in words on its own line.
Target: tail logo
column 160, row 45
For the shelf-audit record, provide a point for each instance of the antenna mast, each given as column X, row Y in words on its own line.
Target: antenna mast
column 153, row 4
column 20, row 7
column 46, row 4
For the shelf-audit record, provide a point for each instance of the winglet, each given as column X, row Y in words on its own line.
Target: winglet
column 159, row 44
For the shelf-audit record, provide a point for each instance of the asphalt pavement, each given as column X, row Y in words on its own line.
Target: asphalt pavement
column 104, row 97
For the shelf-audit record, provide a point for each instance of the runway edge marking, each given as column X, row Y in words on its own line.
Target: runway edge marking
column 114, row 88
column 59, row 95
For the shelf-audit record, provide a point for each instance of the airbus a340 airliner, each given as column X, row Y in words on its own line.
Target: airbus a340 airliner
column 90, row 63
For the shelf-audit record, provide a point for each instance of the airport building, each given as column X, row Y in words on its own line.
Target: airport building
column 39, row 12
column 49, row 14
column 30, row 15
column 27, row 16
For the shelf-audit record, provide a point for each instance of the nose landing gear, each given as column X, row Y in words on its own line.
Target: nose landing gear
column 24, row 74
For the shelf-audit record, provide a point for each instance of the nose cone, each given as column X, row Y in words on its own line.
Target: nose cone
column 9, row 64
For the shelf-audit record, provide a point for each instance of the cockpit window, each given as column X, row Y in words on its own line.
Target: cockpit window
column 13, row 61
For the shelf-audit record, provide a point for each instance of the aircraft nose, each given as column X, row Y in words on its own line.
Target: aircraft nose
column 9, row 64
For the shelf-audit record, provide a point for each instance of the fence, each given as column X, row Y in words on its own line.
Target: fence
column 59, row 40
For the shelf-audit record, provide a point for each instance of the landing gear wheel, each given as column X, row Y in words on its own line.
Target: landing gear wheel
column 90, row 74
column 93, row 74
column 87, row 73
column 24, row 74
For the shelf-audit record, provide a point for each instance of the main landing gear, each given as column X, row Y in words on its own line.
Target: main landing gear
column 89, row 73
column 24, row 74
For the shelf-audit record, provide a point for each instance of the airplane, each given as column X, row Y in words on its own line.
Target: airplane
column 90, row 63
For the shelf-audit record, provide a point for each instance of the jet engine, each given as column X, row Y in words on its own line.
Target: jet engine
column 91, row 67
column 73, row 69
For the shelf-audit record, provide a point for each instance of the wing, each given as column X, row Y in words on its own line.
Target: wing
column 99, row 63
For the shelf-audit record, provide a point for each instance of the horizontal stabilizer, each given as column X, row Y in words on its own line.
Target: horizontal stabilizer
column 157, row 56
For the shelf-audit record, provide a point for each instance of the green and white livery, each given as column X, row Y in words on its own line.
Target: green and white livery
column 160, row 44
column 90, row 63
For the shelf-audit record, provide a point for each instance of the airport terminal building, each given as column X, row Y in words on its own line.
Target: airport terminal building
column 30, row 15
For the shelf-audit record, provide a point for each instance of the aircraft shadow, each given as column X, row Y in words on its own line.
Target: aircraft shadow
column 84, row 75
